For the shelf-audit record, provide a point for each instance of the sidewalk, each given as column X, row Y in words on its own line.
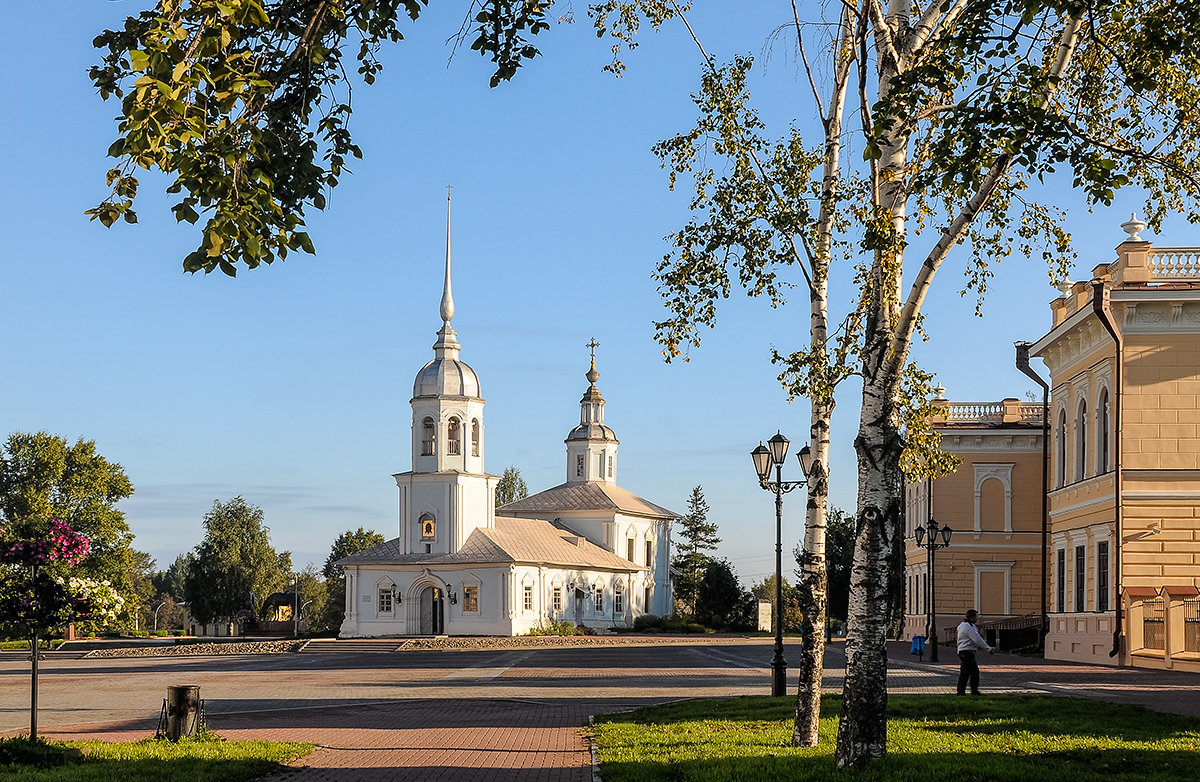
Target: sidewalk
column 1167, row 691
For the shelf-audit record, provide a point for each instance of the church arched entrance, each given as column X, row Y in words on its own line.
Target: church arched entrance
column 433, row 611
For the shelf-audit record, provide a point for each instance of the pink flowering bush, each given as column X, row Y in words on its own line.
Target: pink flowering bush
column 37, row 593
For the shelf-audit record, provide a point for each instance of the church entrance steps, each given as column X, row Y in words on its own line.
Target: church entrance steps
column 352, row 646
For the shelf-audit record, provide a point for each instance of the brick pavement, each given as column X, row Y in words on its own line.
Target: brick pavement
column 505, row 715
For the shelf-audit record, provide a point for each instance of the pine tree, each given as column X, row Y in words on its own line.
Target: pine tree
column 698, row 535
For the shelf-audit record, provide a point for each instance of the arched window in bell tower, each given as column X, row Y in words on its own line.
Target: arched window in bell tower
column 475, row 437
column 454, row 438
column 428, row 438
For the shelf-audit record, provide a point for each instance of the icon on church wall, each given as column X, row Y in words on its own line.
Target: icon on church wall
column 427, row 528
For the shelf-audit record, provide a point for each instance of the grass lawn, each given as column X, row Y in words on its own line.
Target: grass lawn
column 997, row 737
column 190, row 760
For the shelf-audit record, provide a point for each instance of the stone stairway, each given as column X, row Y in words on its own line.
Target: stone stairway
column 351, row 646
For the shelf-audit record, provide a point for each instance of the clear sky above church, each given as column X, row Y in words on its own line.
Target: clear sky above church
column 290, row 385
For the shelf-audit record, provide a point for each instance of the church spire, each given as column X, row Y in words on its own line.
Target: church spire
column 447, row 345
column 447, row 308
column 591, row 446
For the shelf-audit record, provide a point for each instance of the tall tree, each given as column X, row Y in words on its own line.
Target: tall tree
column 42, row 476
column 511, row 487
column 235, row 566
column 171, row 581
column 349, row 542
column 721, row 602
column 697, row 537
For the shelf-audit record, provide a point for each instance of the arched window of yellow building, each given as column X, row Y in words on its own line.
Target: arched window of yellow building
column 1081, row 421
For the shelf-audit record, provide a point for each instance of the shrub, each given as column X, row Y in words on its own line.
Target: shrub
column 556, row 628
column 647, row 622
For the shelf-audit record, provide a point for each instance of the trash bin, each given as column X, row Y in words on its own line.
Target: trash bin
column 181, row 712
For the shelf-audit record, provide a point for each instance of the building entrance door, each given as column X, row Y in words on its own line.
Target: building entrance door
column 432, row 611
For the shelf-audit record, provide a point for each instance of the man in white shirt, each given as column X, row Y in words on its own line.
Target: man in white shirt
column 969, row 641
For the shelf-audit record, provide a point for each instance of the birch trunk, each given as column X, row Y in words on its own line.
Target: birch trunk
column 814, row 573
column 862, row 730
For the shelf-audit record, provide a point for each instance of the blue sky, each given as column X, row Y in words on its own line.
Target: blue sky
column 290, row 384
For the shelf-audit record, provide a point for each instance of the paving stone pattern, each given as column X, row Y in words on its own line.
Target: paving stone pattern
column 483, row 713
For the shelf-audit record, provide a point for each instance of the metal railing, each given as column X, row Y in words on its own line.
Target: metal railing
column 1152, row 624
column 1191, row 624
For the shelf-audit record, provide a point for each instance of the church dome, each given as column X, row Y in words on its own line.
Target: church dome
column 592, row 431
column 446, row 377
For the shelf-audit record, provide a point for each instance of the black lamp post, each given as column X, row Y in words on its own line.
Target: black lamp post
column 763, row 458
column 931, row 545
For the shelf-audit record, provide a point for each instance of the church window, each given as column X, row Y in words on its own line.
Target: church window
column 428, row 527
column 475, row 437
column 471, row 599
column 557, row 599
column 579, row 465
column 646, row 593
column 599, row 598
column 610, row 470
column 1081, row 442
column 529, row 597
column 649, row 553
column 385, row 601
column 600, row 467
column 629, row 549
column 454, row 438
column 427, row 437
column 619, row 598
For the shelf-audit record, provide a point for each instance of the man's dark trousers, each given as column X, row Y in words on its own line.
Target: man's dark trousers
column 968, row 669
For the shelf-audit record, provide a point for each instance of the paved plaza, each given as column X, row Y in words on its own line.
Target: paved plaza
column 496, row 715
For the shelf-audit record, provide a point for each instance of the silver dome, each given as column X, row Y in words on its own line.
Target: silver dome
column 447, row 377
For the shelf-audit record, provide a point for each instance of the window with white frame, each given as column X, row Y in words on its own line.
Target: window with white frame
column 629, row 544
column 1102, row 590
column 1060, row 579
column 1081, row 422
column 556, row 598
column 599, row 599
column 1060, row 473
column 470, row 599
column 619, row 598
column 475, row 437
column 386, row 597
column 454, row 438
column 1102, row 433
column 579, row 465
column 528, row 597
column 1080, row 578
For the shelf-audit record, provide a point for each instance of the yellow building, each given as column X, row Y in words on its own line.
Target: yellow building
column 992, row 503
column 1123, row 356
column 1122, row 583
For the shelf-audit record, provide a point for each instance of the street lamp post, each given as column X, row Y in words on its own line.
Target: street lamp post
column 764, row 457
column 928, row 540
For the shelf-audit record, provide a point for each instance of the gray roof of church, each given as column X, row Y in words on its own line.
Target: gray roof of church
column 585, row 497
column 511, row 540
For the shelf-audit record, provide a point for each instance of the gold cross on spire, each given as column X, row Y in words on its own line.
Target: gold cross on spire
column 593, row 345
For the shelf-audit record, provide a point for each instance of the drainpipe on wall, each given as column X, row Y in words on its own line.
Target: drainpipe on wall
column 1023, row 365
column 1100, row 305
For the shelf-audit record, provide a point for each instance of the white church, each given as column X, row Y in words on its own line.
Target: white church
column 586, row 551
